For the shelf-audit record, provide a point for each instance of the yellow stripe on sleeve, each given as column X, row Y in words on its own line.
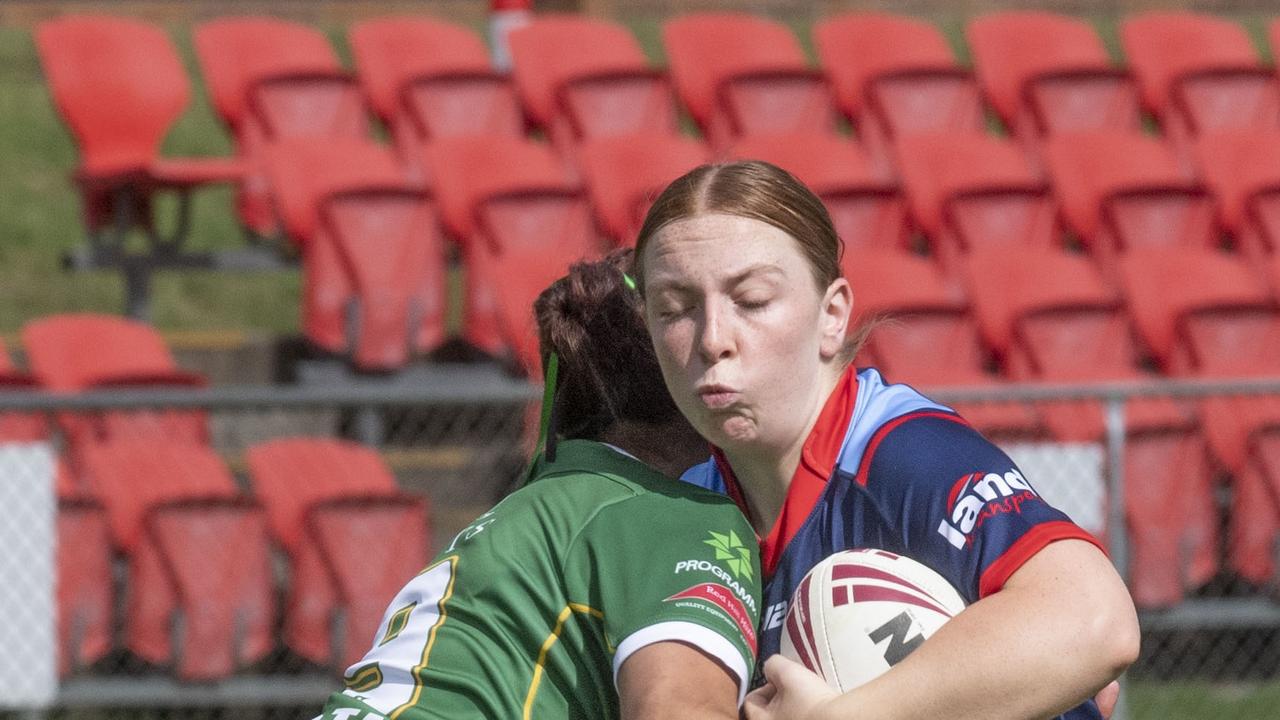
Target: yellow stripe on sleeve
column 550, row 642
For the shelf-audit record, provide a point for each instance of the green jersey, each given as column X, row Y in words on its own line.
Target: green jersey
column 533, row 608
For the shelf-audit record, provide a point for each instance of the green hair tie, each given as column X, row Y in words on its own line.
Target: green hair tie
column 631, row 283
column 546, row 434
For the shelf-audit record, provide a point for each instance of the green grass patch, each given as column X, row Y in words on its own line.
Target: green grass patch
column 40, row 217
column 1203, row 701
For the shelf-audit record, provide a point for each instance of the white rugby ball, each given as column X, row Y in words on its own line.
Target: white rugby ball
column 860, row 612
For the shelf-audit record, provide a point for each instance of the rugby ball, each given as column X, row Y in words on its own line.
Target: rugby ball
column 860, row 612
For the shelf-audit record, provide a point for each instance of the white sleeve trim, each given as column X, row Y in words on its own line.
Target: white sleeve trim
column 705, row 639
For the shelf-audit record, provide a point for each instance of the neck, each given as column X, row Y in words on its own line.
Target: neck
column 667, row 449
column 765, row 472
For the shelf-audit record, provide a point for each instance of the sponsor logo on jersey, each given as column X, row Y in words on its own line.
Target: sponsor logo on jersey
column 731, row 550
column 706, row 566
column 977, row 497
column 724, row 599
column 774, row 615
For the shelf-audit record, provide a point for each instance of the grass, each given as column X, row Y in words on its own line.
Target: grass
column 40, row 218
column 1202, row 701
column 39, row 209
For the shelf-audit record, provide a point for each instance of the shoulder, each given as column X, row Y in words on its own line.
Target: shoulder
column 591, row 478
column 885, row 410
column 927, row 446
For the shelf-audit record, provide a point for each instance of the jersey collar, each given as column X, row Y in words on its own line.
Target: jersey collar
column 818, row 459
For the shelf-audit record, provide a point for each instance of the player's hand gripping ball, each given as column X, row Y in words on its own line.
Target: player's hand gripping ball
column 860, row 612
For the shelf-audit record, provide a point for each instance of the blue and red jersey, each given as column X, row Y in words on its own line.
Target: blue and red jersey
column 887, row 468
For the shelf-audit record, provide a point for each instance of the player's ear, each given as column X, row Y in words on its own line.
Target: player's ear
column 837, row 308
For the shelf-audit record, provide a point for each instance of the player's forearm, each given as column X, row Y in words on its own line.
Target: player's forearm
column 1032, row 650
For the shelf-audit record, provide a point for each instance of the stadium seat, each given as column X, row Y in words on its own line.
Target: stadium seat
column 372, row 254
column 894, row 75
column 1120, row 191
column 270, row 79
column 1046, row 73
column 1242, row 168
column 865, row 205
column 19, row 426
column 1051, row 317
column 1198, row 73
column 740, row 74
column 78, row 352
column 119, row 85
column 86, row 596
column 1207, row 314
column 328, row 502
column 520, row 223
column 200, row 594
column 624, row 174
column 582, row 78
column 967, row 190
column 930, row 340
column 425, row 78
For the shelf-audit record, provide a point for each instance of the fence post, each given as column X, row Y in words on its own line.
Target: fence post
column 370, row 429
column 1117, row 529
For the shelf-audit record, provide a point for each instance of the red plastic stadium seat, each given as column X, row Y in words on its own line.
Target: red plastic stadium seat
column 739, row 74
column 894, row 75
column 328, row 502
column 866, row 207
column 270, row 79
column 1208, row 315
column 85, row 583
column 931, row 340
column 19, row 426
column 1242, row 168
column 371, row 243
column 520, row 223
column 1199, row 72
column 426, row 78
column 120, row 86
column 1052, row 318
column 200, row 592
column 583, row 78
column 1121, row 191
column 1185, row 301
column 625, row 174
column 1048, row 73
column 77, row 352
column 968, row 190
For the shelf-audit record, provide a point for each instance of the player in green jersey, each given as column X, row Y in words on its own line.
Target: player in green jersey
column 601, row 589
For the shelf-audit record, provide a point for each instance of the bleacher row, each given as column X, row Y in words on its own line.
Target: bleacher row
column 201, row 587
column 516, row 211
column 1077, row 248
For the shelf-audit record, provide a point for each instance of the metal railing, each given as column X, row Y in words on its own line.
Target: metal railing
column 478, row 413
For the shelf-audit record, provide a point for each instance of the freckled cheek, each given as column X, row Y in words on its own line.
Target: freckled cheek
column 672, row 345
column 780, row 357
column 672, row 352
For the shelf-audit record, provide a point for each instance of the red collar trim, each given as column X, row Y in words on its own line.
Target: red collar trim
column 817, row 465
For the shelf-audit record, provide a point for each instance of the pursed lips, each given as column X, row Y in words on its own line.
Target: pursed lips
column 717, row 397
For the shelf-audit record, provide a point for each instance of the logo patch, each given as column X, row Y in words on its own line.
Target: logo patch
column 722, row 598
column 731, row 550
column 977, row 497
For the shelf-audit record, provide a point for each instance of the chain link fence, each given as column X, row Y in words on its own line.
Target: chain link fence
column 168, row 578
column 1178, row 479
